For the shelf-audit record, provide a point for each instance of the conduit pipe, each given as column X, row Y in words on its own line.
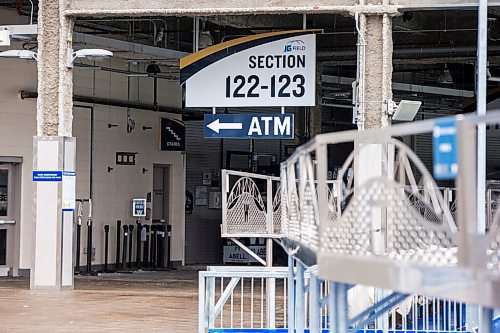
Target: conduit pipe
column 359, row 85
column 117, row 103
column 412, row 52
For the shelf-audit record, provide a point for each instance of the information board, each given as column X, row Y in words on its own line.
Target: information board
column 138, row 207
column 270, row 69
column 444, row 145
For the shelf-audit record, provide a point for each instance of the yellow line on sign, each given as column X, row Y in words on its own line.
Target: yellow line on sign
column 188, row 60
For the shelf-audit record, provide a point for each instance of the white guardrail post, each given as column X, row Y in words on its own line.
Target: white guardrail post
column 300, row 300
column 314, row 304
column 270, row 282
column 225, row 191
column 202, row 305
column 211, row 300
column 291, row 294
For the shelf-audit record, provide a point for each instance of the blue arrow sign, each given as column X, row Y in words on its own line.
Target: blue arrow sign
column 256, row 126
column 444, row 149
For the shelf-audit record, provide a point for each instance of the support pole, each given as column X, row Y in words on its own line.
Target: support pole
column 482, row 59
column 89, row 239
column 271, row 282
column 146, row 248
column 125, row 241
column 53, row 150
column 78, row 240
column 486, row 321
column 299, row 293
column 291, row 294
column 78, row 236
column 106, row 246
column 340, row 320
column 131, row 232
column 138, row 245
column 118, row 237
column 314, row 304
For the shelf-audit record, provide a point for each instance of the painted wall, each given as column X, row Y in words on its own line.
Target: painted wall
column 17, row 127
column 113, row 191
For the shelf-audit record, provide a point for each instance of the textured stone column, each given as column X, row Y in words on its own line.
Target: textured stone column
column 55, row 80
column 315, row 118
column 377, row 37
column 54, row 153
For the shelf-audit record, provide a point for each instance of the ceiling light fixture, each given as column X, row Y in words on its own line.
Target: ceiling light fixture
column 205, row 39
column 153, row 68
column 92, row 54
column 445, row 76
column 404, row 111
column 22, row 54
column 4, row 37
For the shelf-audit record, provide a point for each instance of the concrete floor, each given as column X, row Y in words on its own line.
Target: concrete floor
column 138, row 302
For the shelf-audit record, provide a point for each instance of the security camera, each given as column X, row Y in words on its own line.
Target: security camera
column 4, row 37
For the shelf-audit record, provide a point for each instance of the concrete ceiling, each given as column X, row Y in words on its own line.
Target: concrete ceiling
column 425, row 42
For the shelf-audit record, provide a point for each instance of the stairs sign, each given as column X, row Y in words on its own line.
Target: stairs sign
column 172, row 135
column 244, row 126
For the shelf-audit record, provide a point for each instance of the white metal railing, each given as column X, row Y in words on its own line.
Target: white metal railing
column 251, row 205
column 385, row 224
column 242, row 297
column 236, row 297
column 368, row 221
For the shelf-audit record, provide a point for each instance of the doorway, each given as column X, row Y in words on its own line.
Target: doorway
column 9, row 216
column 161, row 212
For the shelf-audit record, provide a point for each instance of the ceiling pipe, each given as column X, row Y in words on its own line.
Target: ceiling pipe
column 121, row 104
column 130, row 73
column 400, row 53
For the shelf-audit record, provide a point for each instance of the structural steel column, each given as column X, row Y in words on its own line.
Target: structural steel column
column 54, row 150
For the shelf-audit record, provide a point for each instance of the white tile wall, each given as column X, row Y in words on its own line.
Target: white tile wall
column 112, row 191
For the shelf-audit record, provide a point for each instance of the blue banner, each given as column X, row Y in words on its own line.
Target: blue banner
column 47, row 176
column 245, row 126
column 444, row 148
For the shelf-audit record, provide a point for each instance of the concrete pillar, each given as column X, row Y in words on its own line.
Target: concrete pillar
column 377, row 37
column 54, row 152
column 55, row 80
column 315, row 118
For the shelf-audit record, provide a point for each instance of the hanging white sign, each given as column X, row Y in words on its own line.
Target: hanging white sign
column 271, row 69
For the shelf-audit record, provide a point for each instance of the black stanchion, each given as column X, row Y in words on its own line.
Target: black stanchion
column 118, row 237
column 153, row 246
column 125, row 241
column 138, row 247
column 78, row 240
column 131, row 238
column 146, row 248
column 106, row 245
column 78, row 235
column 89, row 246
column 161, row 247
column 169, row 245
